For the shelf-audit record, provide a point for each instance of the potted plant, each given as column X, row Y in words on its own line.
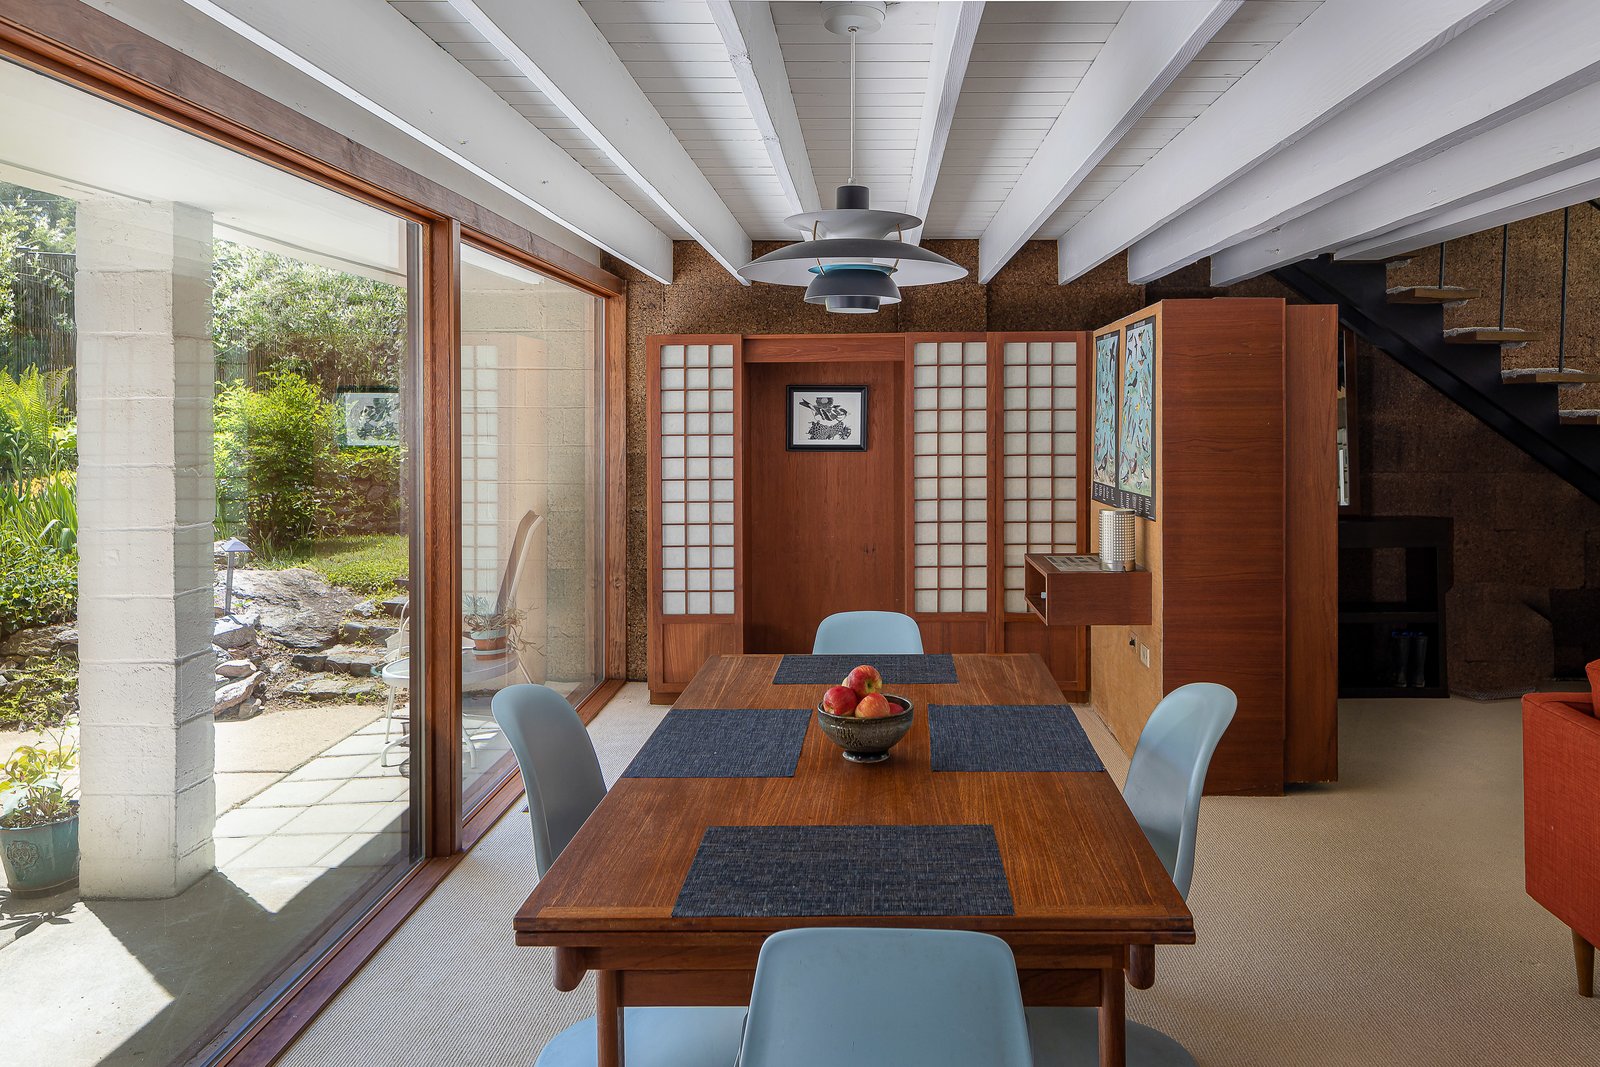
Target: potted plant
column 39, row 818
column 492, row 631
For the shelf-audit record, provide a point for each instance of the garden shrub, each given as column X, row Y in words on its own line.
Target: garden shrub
column 38, row 586
column 271, row 445
column 364, row 492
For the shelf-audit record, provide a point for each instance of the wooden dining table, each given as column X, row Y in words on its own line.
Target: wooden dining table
column 1090, row 897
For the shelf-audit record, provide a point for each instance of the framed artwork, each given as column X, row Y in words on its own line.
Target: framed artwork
column 1136, row 420
column 827, row 418
column 1103, row 460
column 369, row 417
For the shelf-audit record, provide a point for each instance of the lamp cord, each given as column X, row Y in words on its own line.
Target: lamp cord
column 852, row 105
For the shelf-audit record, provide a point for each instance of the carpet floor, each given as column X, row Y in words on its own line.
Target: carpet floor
column 1378, row 921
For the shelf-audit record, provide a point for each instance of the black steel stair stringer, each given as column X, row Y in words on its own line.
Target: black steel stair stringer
column 1469, row 375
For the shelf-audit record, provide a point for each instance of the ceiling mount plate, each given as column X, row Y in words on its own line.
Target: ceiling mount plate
column 859, row 18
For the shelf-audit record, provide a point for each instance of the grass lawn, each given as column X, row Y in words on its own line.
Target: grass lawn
column 367, row 564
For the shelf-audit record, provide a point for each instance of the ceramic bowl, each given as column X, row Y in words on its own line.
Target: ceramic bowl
column 867, row 740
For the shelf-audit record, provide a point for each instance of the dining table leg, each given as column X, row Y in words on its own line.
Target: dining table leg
column 1113, row 1019
column 608, row 1017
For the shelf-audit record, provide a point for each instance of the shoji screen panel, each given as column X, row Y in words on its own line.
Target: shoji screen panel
column 693, row 486
column 1038, row 451
column 1038, row 502
column 950, row 443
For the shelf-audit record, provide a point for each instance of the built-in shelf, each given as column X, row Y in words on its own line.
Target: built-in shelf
column 1075, row 591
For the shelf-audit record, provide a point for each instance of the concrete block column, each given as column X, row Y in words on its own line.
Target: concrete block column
column 145, row 504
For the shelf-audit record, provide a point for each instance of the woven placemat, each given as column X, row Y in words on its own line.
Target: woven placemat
column 723, row 743
column 1008, row 737
column 896, row 669
column 846, row 870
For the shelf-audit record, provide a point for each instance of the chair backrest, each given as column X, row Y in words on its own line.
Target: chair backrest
column 861, row 996
column 866, row 632
column 1168, row 771
column 559, row 768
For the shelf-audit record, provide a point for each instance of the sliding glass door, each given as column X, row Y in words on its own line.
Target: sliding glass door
column 532, row 496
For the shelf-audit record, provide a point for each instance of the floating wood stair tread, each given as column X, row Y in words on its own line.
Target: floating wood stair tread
column 1548, row 376
column 1489, row 335
column 1582, row 417
column 1432, row 294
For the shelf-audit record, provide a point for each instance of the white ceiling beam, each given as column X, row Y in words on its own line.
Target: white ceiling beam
column 1147, row 50
column 555, row 45
column 1550, row 139
column 1339, row 54
column 752, row 42
column 1539, row 50
column 1552, row 192
column 401, row 77
column 955, row 30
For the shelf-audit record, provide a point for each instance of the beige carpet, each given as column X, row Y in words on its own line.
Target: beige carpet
column 1380, row 921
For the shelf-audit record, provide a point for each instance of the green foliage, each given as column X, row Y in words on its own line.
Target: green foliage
column 352, row 476
column 34, row 785
column 370, row 565
column 38, row 586
column 335, row 328
column 32, row 222
column 271, row 445
column 37, row 432
column 40, row 514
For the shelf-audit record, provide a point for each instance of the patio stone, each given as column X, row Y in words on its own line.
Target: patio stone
column 251, row 822
column 289, row 850
column 340, row 768
column 366, row 850
column 293, row 794
column 325, row 818
column 370, row 790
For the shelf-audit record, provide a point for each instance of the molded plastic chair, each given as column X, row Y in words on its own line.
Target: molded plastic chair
column 883, row 998
column 866, row 632
column 562, row 777
column 1165, row 780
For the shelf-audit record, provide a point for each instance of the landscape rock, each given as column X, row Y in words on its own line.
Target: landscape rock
column 353, row 660
column 236, row 668
column 330, row 689
column 356, row 632
column 311, row 662
column 293, row 607
column 230, row 696
column 29, row 644
column 229, row 633
column 67, row 640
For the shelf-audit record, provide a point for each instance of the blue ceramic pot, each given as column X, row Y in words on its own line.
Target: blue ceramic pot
column 40, row 859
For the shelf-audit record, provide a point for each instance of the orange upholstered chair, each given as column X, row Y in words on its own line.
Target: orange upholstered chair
column 1561, row 812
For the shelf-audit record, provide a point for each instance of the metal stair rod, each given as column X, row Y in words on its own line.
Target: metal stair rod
column 1566, row 242
column 1505, row 259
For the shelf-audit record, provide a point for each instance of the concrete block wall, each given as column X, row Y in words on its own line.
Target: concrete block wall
column 145, row 503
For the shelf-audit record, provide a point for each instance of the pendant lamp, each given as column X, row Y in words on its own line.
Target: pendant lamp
column 856, row 260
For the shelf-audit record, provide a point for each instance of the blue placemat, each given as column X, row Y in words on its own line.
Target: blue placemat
column 896, row 670
column 846, row 870
column 723, row 743
column 1008, row 737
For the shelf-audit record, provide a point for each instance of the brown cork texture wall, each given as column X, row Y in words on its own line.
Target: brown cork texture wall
column 1526, row 605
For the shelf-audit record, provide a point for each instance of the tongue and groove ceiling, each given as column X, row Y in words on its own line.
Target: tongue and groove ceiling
column 1257, row 133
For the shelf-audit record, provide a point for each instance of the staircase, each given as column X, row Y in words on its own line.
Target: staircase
column 1523, row 405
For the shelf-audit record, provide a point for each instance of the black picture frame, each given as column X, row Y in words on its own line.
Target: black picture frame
column 850, row 435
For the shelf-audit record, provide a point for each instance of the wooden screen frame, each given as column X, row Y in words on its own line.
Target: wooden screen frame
column 99, row 54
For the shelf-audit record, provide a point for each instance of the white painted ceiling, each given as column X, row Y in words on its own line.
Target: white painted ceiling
column 1255, row 132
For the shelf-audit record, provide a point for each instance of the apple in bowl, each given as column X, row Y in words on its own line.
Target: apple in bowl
column 840, row 700
column 877, row 722
column 863, row 680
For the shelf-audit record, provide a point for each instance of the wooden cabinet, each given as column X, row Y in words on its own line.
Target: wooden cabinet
column 1075, row 591
column 972, row 462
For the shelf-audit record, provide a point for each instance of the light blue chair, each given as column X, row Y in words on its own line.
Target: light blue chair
column 1165, row 780
column 562, row 777
column 852, row 633
column 854, row 997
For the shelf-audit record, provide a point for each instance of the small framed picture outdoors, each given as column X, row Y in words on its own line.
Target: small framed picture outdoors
column 827, row 418
column 369, row 418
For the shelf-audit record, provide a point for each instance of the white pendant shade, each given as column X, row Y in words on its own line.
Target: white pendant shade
column 796, row 264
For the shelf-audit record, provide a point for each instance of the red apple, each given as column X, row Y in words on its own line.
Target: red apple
column 864, row 679
column 839, row 700
column 875, row 706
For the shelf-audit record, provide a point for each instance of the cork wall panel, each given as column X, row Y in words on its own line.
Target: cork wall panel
column 705, row 299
